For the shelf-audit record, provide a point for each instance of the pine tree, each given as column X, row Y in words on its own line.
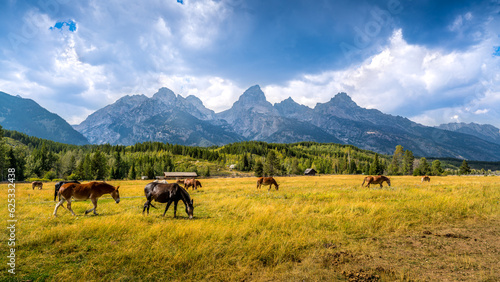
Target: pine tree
column 464, row 168
column 98, row 166
column 423, row 167
column 132, row 174
column 271, row 167
column 376, row 168
column 396, row 166
column 3, row 156
column 87, row 171
column 436, row 168
column 408, row 159
column 259, row 169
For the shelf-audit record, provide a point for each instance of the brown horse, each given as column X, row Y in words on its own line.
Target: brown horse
column 379, row 179
column 191, row 183
column 426, row 178
column 91, row 190
column 167, row 193
column 38, row 184
column 267, row 181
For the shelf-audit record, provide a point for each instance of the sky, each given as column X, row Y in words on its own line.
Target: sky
column 431, row 61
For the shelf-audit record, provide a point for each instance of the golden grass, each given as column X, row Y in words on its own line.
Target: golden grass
column 313, row 228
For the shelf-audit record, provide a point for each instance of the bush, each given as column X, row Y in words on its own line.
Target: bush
column 73, row 177
column 50, row 175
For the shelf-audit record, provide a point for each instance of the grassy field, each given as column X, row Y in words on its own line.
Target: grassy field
column 313, row 228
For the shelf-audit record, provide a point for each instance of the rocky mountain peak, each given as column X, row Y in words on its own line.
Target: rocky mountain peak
column 165, row 94
column 253, row 95
column 342, row 99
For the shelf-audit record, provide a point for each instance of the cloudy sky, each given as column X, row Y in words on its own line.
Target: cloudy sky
column 431, row 61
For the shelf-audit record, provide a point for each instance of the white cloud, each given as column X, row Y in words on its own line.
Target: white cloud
column 430, row 86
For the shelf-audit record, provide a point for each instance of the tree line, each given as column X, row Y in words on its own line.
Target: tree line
column 33, row 157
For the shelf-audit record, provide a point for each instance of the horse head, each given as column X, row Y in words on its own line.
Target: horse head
column 190, row 209
column 388, row 181
column 116, row 195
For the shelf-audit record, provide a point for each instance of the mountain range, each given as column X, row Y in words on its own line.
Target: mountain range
column 167, row 117
column 484, row 131
column 26, row 116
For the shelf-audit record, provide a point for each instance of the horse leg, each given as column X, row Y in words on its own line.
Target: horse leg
column 175, row 209
column 94, row 201
column 166, row 208
column 146, row 206
column 58, row 205
column 69, row 207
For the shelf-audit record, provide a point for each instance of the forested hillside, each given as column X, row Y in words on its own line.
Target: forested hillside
column 38, row 158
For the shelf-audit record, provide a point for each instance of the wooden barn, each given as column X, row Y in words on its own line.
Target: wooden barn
column 310, row 171
column 178, row 175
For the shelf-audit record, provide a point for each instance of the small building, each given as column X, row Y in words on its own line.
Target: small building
column 144, row 177
column 310, row 171
column 177, row 175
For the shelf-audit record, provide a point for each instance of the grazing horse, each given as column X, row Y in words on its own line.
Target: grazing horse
column 379, row 179
column 38, row 184
column 191, row 183
column 59, row 184
column 92, row 190
column 167, row 193
column 426, row 178
column 267, row 181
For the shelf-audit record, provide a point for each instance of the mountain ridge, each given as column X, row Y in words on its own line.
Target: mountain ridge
column 27, row 116
column 253, row 118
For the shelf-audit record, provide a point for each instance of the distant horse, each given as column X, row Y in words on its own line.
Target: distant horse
column 167, row 193
column 379, row 179
column 92, row 190
column 191, row 183
column 267, row 181
column 426, row 178
column 38, row 184
column 59, row 184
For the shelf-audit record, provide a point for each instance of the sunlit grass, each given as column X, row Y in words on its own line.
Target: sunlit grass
column 238, row 232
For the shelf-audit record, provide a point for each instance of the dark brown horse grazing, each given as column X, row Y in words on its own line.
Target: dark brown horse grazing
column 376, row 180
column 59, row 184
column 191, row 183
column 38, row 184
column 167, row 193
column 426, row 178
column 91, row 190
column 267, row 181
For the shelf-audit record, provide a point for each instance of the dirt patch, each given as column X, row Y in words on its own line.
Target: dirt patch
column 360, row 276
column 467, row 252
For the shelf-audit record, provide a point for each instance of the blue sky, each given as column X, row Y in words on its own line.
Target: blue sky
column 431, row 61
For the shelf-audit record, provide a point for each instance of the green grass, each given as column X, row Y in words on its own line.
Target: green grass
column 313, row 228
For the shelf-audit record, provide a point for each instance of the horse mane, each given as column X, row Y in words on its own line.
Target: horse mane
column 184, row 195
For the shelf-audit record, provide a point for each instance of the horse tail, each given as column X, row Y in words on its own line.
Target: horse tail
column 55, row 192
column 363, row 182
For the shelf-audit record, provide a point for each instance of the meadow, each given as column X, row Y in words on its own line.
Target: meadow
column 313, row 229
